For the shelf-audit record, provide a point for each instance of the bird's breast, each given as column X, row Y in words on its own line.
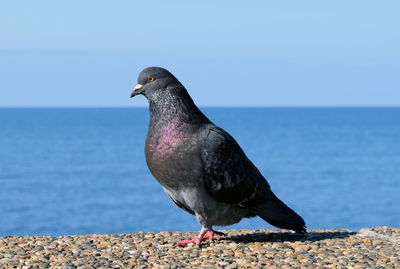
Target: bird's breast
column 167, row 139
column 171, row 155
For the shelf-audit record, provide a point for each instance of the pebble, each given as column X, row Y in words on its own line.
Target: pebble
column 339, row 248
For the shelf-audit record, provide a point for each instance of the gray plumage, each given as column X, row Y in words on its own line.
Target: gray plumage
column 199, row 165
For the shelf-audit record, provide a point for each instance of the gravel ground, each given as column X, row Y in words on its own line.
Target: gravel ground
column 395, row 232
column 336, row 248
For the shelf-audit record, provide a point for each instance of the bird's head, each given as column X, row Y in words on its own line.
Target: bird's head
column 153, row 81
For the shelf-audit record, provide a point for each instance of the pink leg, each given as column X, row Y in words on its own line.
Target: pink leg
column 197, row 240
column 210, row 234
column 202, row 236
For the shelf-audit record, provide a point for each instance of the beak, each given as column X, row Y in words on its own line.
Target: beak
column 137, row 90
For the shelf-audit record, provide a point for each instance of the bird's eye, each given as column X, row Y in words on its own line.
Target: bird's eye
column 152, row 78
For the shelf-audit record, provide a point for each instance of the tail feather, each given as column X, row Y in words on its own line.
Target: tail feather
column 276, row 213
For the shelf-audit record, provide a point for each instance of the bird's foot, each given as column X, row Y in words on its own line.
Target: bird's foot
column 210, row 234
column 202, row 236
column 195, row 240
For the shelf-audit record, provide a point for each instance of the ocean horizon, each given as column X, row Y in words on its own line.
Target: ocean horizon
column 81, row 170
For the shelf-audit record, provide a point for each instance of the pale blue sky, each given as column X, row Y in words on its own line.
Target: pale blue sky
column 226, row 53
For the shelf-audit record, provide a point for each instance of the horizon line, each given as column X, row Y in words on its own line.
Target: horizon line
column 208, row 106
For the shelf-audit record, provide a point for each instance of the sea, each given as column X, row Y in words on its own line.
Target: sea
column 67, row 171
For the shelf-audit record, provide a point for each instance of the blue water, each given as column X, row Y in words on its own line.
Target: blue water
column 80, row 171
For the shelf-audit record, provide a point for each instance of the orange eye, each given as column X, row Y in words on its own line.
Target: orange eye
column 152, row 78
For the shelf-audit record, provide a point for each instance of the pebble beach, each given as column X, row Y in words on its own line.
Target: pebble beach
column 377, row 247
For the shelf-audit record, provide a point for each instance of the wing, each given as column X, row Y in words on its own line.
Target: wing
column 230, row 176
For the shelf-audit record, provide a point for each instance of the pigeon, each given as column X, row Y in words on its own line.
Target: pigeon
column 200, row 166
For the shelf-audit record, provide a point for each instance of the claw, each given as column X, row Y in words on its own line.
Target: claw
column 195, row 240
column 210, row 234
column 202, row 236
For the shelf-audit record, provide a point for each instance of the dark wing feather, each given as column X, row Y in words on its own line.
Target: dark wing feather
column 229, row 176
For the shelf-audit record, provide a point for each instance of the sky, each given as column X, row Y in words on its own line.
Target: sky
column 226, row 53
